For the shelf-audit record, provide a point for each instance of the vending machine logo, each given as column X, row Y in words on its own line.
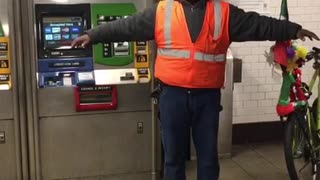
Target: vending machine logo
column 142, row 58
column 4, row 64
column 4, row 77
column 3, row 55
column 3, row 46
column 141, row 43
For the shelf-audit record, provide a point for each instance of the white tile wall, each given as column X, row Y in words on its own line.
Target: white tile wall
column 255, row 99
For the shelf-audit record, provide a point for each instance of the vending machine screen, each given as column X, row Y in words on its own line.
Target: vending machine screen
column 59, row 32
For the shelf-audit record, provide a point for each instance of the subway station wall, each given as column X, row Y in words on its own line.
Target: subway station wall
column 255, row 98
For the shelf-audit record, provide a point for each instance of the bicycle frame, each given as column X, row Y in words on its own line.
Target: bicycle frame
column 312, row 126
column 302, row 135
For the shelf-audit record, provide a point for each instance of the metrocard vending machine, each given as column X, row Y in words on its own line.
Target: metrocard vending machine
column 59, row 65
column 5, row 65
column 103, row 65
column 116, row 63
column 124, row 62
column 94, row 112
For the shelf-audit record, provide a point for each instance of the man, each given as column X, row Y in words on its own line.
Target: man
column 192, row 37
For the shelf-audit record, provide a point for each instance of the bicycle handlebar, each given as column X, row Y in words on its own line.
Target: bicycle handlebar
column 315, row 49
column 314, row 54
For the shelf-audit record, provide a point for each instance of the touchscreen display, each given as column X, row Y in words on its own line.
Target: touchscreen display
column 59, row 32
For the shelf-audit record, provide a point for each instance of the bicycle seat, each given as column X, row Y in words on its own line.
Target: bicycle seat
column 317, row 50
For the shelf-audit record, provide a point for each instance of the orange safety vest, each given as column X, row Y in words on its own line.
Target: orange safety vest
column 183, row 63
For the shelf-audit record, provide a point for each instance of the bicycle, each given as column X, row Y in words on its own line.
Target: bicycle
column 302, row 131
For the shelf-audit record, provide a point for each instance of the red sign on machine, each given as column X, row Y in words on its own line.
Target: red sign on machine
column 94, row 98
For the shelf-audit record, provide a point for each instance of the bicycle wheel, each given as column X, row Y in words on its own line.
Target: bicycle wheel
column 317, row 174
column 297, row 152
column 316, row 137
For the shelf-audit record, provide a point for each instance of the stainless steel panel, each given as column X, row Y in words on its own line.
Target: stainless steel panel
column 130, row 176
column 60, row 101
column 156, row 138
column 225, row 122
column 138, row 176
column 17, row 96
column 6, row 107
column 8, row 169
column 94, row 145
column 141, row 5
column 28, row 73
column 225, row 127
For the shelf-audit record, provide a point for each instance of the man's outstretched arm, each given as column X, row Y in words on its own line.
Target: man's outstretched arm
column 139, row 27
column 250, row 26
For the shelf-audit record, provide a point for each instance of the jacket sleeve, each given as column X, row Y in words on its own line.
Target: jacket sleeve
column 139, row 27
column 250, row 26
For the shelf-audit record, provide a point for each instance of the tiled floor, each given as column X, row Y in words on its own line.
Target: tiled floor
column 251, row 162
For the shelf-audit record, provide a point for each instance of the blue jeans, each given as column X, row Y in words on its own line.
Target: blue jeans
column 181, row 109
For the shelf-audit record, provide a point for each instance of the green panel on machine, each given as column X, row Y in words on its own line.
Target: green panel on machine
column 117, row 53
column 1, row 30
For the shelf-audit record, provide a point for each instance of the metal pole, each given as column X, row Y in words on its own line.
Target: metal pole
column 15, row 36
column 154, row 122
column 155, row 132
column 27, row 9
column 19, row 92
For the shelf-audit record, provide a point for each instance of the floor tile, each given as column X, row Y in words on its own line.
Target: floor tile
column 273, row 153
column 250, row 162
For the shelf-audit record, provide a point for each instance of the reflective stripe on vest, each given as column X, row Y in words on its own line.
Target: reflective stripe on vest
column 209, row 57
column 168, row 25
column 185, row 54
column 217, row 18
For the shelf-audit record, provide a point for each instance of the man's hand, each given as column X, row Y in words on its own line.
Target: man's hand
column 82, row 41
column 303, row 33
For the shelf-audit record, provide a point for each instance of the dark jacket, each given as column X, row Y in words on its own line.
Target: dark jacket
column 244, row 26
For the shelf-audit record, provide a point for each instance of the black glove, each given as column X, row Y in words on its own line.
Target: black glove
column 303, row 33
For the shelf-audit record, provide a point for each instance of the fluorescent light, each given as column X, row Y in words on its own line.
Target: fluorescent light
column 5, row 27
column 61, row 1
